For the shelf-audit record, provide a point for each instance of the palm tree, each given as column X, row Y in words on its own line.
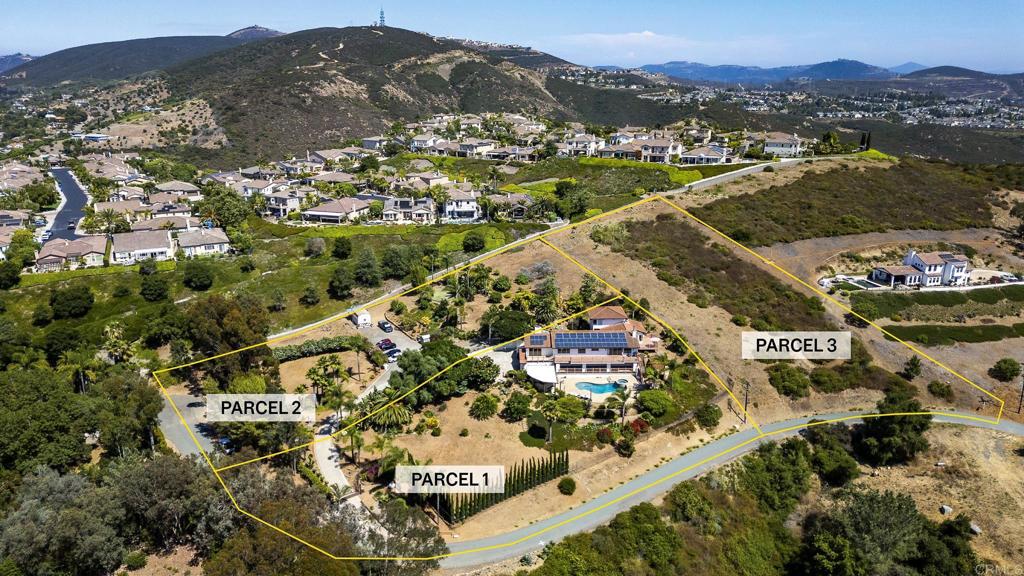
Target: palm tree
column 259, row 204
column 549, row 410
column 493, row 172
column 355, row 439
column 327, row 371
column 337, row 398
column 108, row 217
column 388, row 411
column 80, row 365
column 619, row 400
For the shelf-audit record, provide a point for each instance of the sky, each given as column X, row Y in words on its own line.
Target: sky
column 982, row 34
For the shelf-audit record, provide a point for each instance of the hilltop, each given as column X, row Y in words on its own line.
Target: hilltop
column 13, row 60
column 317, row 87
column 116, row 60
column 254, row 32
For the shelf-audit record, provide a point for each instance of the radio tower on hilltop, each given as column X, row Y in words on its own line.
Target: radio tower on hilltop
column 380, row 22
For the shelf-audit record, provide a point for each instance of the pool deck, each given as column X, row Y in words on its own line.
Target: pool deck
column 570, row 384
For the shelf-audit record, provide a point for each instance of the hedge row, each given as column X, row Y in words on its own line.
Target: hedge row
column 891, row 303
column 940, row 334
column 318, row 347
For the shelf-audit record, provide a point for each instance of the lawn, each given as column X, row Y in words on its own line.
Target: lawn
column 601, row 179
column 452, row 241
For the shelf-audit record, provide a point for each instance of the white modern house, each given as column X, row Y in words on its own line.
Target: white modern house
column 660, row 150
column 583, row 145
column 423, row 141
column 203, row 242
column 462, row 206
column 547, row 355
column 783, row 145
column 131, row 247
column 925, row 269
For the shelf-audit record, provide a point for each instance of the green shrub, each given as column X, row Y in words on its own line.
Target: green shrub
column 708, row 416
column 483, row 407
column 941, row 390
column 135, row 560
column 789, row 380
column 567, row 486
column 71, row 302
column 198, row 276
column 1005, row 370
column 435, row 432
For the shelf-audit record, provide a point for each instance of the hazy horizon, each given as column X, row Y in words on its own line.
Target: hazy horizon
column 748, row 33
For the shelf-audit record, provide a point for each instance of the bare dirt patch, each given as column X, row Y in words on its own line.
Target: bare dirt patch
column 177, row 562
column 190, row 122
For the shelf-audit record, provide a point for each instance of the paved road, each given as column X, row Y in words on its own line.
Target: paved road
column 75, row 200
column 602, row 509
column 193, row 408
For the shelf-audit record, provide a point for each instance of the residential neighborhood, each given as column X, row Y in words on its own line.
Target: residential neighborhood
column 537, row 289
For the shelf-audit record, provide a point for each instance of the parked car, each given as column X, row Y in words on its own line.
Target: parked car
column 45, row 236
column 393, row 354
column 386, row 326
column 386, row 344
column 423, row 338
column 71, row 226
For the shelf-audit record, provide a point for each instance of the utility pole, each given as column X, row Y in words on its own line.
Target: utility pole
column 746, row 398
column 1021, row 401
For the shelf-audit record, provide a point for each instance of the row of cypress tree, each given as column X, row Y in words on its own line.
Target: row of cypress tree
column 455, row 508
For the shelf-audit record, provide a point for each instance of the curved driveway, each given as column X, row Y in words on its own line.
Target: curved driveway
column 646, row 487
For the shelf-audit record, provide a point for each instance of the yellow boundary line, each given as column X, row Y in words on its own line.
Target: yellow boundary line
column 910, row 346
column 466, row 358
column 542, row 238
column 666, row 325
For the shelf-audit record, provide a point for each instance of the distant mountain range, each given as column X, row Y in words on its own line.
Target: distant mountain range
column 836, row 69
column 13, row 61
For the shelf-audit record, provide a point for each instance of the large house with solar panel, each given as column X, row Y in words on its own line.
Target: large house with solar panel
column 611, row 346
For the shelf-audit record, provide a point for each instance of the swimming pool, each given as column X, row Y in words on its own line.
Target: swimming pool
column 606, row 388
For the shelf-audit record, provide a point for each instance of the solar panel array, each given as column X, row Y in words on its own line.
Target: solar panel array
column 594, row 339
column 538, row 339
